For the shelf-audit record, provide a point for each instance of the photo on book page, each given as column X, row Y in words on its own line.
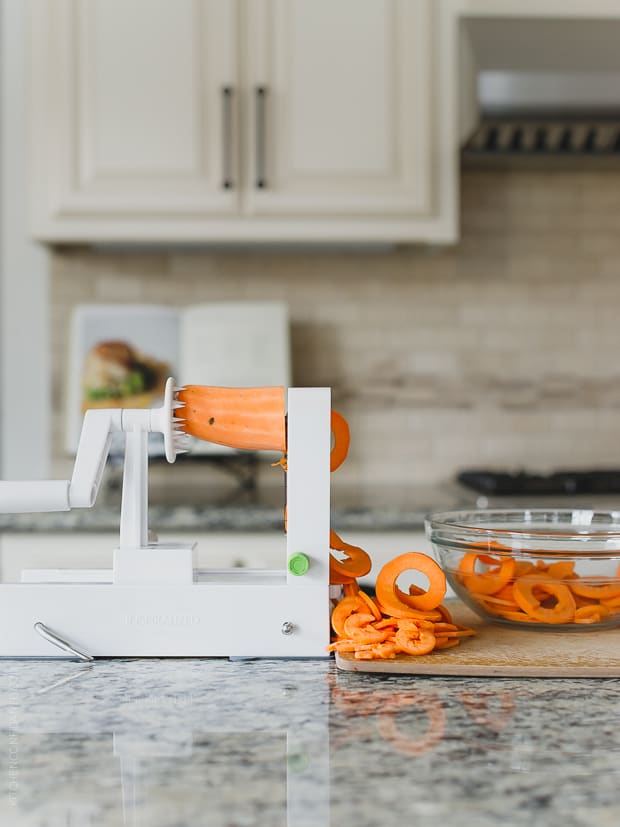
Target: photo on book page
column 120, row 357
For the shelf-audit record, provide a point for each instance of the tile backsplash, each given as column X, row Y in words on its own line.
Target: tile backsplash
column 498, row 352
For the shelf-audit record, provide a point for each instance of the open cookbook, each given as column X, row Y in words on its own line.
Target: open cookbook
column 121, row 355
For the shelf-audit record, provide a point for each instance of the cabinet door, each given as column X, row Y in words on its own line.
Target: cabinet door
column 340, row 110
column 134, row 108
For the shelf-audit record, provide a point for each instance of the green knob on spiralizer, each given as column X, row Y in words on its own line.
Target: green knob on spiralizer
column 298, row 564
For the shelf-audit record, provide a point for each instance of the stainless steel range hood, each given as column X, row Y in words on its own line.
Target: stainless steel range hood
column 544, row 87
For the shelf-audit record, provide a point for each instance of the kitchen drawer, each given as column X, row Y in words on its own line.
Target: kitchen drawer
column 215, row 550
column 37, row 551
column 88, row 550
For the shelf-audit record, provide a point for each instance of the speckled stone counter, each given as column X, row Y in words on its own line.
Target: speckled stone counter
column 191, row 742
column 354, row 508
column 381, row 509
column 210, row 518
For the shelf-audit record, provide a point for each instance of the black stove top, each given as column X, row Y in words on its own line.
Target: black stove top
column 558, row 483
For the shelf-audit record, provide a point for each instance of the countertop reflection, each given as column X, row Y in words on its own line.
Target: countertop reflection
column 214, row 742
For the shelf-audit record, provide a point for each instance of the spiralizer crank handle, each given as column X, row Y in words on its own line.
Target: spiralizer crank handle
column 26, row 496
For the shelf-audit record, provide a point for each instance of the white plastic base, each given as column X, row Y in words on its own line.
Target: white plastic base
column 228, row 613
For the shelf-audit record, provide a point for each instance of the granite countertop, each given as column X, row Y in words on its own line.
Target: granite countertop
column 355, row 508
column 188, row 742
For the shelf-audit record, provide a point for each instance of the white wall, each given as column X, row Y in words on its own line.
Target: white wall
column 24, row 306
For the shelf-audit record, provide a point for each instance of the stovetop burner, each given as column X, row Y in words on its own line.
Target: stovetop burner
column 523, row 483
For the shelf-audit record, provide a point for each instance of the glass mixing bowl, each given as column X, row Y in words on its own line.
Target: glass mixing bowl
column 553, row 570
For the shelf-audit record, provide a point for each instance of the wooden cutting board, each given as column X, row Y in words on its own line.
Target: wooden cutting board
column 500, row 652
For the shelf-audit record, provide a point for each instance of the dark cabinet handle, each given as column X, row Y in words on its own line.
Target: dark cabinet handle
column 261, row 94
column 227, row 137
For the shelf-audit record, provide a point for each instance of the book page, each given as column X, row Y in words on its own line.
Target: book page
column 234, row 344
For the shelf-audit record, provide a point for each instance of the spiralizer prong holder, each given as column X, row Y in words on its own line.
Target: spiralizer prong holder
column 154, row 601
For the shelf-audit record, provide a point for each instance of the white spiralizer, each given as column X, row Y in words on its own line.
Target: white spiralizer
column 154, row 601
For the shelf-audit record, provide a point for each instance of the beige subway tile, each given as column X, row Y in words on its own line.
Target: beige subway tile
column 500, row 351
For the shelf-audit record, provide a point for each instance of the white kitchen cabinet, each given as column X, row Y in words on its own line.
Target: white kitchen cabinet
column 240, row 120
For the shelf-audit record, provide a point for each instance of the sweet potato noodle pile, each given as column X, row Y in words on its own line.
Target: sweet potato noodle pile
column 393, row 622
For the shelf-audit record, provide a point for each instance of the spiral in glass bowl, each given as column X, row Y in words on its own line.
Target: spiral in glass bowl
column 553, row 570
